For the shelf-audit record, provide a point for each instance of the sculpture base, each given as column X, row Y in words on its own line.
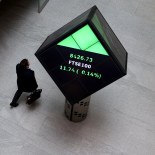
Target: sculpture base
column 77, row 112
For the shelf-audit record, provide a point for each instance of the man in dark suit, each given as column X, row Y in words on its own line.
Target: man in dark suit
column 26, row 81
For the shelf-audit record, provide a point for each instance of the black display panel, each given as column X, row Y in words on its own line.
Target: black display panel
column 81, row 59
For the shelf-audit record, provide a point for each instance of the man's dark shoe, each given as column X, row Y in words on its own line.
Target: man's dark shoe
column 14, row 104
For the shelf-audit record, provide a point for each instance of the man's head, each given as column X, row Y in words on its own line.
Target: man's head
column 25, row 63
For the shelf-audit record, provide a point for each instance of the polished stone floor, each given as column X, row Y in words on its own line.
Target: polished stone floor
column 121, row 118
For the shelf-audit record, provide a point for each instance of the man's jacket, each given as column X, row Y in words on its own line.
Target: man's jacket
column 25, row 79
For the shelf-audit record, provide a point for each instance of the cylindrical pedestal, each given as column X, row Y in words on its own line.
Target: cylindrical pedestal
column 78, row 111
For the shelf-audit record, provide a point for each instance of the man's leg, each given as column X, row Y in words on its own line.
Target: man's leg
column 15, row 98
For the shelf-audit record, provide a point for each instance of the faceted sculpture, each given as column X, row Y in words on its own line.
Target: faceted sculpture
column 83, row 56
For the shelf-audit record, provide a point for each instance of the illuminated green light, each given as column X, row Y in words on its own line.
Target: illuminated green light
column 85, row 37
column 97, row 48
column 69, row 42
column 100, row 28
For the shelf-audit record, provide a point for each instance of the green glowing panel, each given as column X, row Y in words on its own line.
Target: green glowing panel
column 97, row 48
column 85, row 37
column 69, row 42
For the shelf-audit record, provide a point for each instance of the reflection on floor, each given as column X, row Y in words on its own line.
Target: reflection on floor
column 121, row 116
